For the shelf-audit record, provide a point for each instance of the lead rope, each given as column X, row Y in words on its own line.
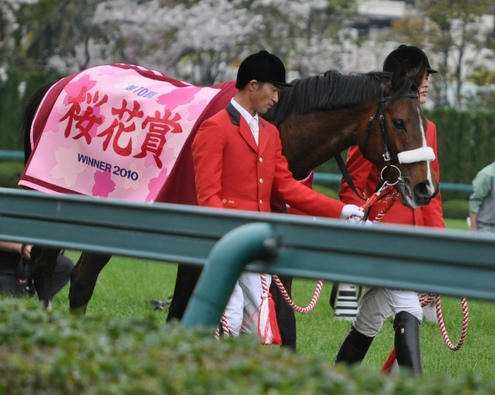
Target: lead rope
column 426, row 299
column 319, row 285
column 225, row 328
column 290, row 302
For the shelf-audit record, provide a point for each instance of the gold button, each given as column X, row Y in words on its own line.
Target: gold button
column 261, row 181
column 260, row 159
column 224, row 201
column 261, row 201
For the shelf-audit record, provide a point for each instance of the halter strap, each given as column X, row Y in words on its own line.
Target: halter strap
column 346, row 175
column 390, row 157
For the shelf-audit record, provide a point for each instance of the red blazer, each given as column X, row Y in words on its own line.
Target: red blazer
column 231, row 171
column 365, row 177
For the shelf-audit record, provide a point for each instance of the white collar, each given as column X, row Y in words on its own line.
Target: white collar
column 245, row 113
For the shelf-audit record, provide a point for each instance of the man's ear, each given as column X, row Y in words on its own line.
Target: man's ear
column 253, row 85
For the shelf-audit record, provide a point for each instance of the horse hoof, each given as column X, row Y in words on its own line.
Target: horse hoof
column 78, row 311
column 47, row 304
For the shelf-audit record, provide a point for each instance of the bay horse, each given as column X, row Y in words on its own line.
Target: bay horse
column 318, row 117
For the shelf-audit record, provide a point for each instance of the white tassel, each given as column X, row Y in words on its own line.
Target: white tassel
column 264, row 328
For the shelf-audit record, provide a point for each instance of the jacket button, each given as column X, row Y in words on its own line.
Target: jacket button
column 261, row 201
column 261, row 180
column 224, row 201
column 260, row 159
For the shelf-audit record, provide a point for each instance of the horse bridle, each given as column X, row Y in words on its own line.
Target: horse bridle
column 389, row 156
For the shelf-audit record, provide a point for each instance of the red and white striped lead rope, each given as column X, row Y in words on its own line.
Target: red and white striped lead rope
column 426, row 299
column 290, row 302
column 225, row 328
column 319, row 285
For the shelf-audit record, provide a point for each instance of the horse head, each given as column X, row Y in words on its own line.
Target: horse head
column 394, row 139
column 320, row 116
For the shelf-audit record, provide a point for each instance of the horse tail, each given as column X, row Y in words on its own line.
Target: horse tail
column 28, row 116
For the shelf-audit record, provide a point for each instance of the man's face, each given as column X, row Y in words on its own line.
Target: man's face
column 264, row 96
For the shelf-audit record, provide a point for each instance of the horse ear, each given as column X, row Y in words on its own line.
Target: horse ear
column 399, row 76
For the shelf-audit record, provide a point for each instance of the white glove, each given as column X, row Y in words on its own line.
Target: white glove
column 351, row 210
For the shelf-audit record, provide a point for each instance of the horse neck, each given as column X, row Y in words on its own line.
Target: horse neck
column 312, row 139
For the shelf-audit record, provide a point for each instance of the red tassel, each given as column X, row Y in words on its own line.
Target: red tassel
column 268, row 330
column 276, row 337
column 389, row 363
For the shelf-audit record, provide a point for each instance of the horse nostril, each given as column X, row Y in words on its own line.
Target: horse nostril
column 423, row 191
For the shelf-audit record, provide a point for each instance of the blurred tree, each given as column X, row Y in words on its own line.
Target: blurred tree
column 44, row 30
column 455, row 34
column 199, row 40
column 309, row 35
column 194, row 40
column 202, row 41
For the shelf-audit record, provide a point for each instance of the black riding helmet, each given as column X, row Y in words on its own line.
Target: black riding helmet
column 261, row 66
column 416, row 59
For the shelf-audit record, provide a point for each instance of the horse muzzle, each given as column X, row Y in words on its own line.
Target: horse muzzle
column 418, row 195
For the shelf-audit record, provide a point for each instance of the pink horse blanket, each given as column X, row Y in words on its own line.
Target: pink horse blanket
column 120, row 131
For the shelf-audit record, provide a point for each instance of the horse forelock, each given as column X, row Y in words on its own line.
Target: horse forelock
column 329, row 91
column 406, row 89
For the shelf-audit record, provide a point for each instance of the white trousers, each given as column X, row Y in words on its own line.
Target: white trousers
column 242, row 308
column 377, row 304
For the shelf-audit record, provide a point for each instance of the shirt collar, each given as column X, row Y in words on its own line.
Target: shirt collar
column 245, row 113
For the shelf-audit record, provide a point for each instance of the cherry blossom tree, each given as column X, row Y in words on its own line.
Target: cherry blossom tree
column 200, row 41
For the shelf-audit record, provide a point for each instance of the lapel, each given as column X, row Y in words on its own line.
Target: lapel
column 262, row 137
column 244, row 129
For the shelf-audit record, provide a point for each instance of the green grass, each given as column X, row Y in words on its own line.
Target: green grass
column 459, row 224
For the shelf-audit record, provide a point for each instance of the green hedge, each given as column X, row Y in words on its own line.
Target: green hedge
column 466, row 142
column 458, row 209
column 55, row 352
column 13, row 100
column 10, row 172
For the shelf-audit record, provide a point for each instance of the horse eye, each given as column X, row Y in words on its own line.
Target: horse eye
column 399, row 124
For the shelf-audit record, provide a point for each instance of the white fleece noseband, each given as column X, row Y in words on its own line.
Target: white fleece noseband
column 416, row 155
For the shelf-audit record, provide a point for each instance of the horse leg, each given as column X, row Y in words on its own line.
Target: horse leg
column 83, row 280
column 44, row 260
column 285, row 315
column 187, row 277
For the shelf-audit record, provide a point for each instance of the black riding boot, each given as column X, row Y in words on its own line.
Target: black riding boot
column 407, row 346
column 285, row 315
column 354, row 347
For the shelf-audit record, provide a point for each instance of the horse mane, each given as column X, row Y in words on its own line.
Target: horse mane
column 328, row 91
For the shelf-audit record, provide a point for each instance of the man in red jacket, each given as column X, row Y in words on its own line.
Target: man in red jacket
column 377, row 304
column 239, row 164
